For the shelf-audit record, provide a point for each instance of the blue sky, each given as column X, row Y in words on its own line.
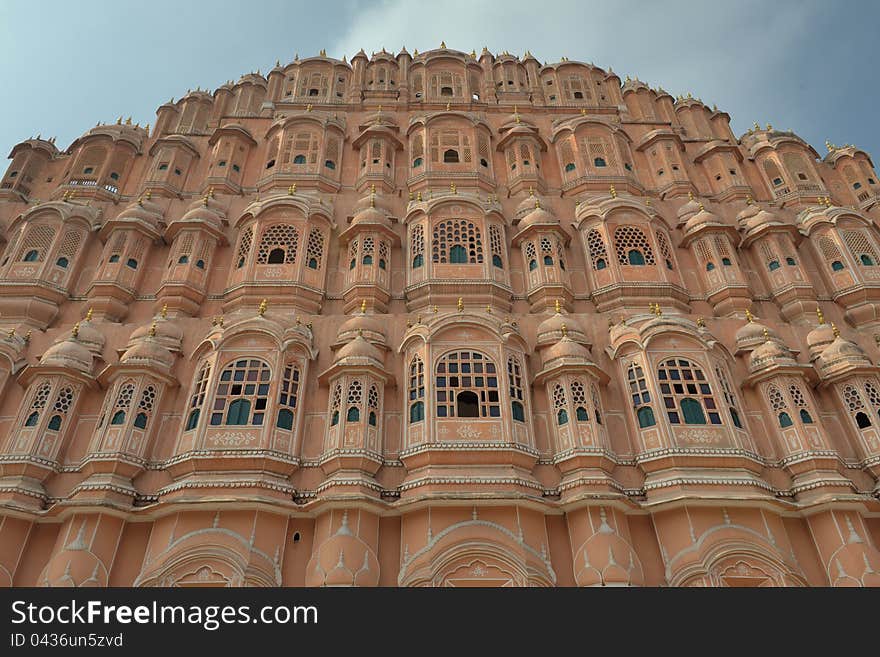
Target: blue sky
column 811, row 66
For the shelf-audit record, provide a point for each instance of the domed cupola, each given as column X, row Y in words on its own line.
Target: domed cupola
column 372, row 210
column 841, row 354
column 359, row 352
column 361, row 324
column 90, row 336
column 689, row 209
column 206, row 212
column 143, row 212
column 69, row 354
column 820, row 337
column 566, row 352
column 752, row 334
column 163, row 331
column 536, row 216
column 701, row 219
column 558, row 325
column 149, row 351
column 771, row 353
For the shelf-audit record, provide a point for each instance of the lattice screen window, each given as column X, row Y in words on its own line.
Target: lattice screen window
column 197, row 398
column 576, row 89
column 335, row 405
column 768, row 253
column 869, row 172
column 187, row 118
column 853, row 399
column 242, row 393
column 70, row 246
column 278, row 245
column 36, row 243
column 288, row 396
column 244, row 246
column 797, row 165
column 184, row 245
column 457, row 241
column 859, row 244
column 600, row 152
column 416, row 390
column 531, row 255
column 729, row 396
column 315, row 249
column 560, row 405
column 640, row 395
column 632, row 246
column 723, row 248
column 418, row 89
column 123, row 403
column 204, row 252
column 303, row 149
column 777, row 401
column 91, row 161
column 665, row 251
column 417, row 246
column 704, row 254
column 38, row 403
column 383, row 254
column 579, row 401
column 597, row 403
column 417, row 151
column 687, row 394
column 373, row 406
column 63, row 402
column 800, row 402
column 497, row 245
column 566, row 152
column 873, row 395
column 483, row 150
column 355, row 397
column 145, row 407
column 596, row 245
column 829, row 250
column 313, row 85
column 850, row 174
column 774, row 174
column 515, row 379
column 447, row 84
column 467, row 386
column 331, row 154
column 450, row 146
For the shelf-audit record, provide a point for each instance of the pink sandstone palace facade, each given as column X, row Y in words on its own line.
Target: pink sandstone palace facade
column 439, row 319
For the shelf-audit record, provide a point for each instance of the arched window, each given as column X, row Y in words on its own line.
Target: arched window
column 599, row 162
column 38, row 403
column 200, row 264
column 561, row 417
column 300, row 159
column 193, row 420
column 197, row 399
column 729, row 397
column 276, row 257
column 458, row 254
column 31, row 256
column 418, row 261
column 806, row 418
column 582, row 414
column 244, row 380
column 600, row 263
column 773, row 265
column 131, row 263
column 367, row 260
column 278, row 241
column 287, row 396
column 784, row 420
column 514, row 377
column 597, row 403
column 62, row 262
column 548, row 260
column 417, row 162
column 335, row 403
column 54, row 423
column 182, row 260
column 862, row 420
column 113, row 258
column 569, row 167
column 710, row 266
column 118, row 417
column 635, row 257
column 330, row 164
column 837, row 265
column 450, row 156
column 140, row 420
column 285, row 419
column 467, row 372
column 373, row 405
column 726, row 262
column 790, row 261
column 457, row 233
column 686, row 393
column 645, row 416
column 355, row 397
column 416, row 390
column 866, row 260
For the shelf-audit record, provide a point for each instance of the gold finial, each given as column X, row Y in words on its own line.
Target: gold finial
column 12, row 332
column 515, row 114
column 411, row 195
column 657, row 310
column 531, row 191
column 489, row 309
column 309, row 107
column 769, row 127
column 363, row 306
column 819, row 315
column 436, row 308
column 419, row 197
column 205, row 201
column 537, row 203
column 460, row 304
column 749, row 200
column 75, row 331
column 27, row 336
column 89, row 315
column 749, row 316
column 263, row 305
column 835, row 329
column 448, row 104
column 149, row 194
column 701, row 206
column 701, row 322
column 373, row 200
column 164, row 311
column 323, row 53
column 291, row 190
column 153, row 330
column 690, row 196
column 756, row 126
column 360, row 332
column 558, row 306
column 583, row 111
column 766, row 334
column 452, row 188
column 613, row 192
column 564, row 331
column 829, row 145
column 442, row 44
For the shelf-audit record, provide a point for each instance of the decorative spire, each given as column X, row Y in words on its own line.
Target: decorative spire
column 613, row 192
column 263, row 305
column 701, row 322
column 153, row 330
column 558, row 306
column 460, row 304
column 447, row 106
column 564, row 331
column 89, row 315
column 819, row 315
column 75, row 331
column 452, row 188
column 766, row 334
column 363, row 306
column 835, row 330
column 749, row 316
column 164, row 311
column 488, row 309
column 443, row 44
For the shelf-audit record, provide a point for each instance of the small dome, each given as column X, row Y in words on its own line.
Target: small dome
column 90, row 336
column 747, row 213
column 372, row 200
column 528, row 205
column 551, row 330
column 69, row 354
column 752, row 334
column 149, row 352
column 360, row 349
column 769, row 353
column 538, row 216
column 167, row 333
column 750, row 222
column 701, row 218
column 368, row 326
column 567, row 349
column 842, row 350
column 819, row 338
column 143, row 209
column 688, row 209
column 370, row 216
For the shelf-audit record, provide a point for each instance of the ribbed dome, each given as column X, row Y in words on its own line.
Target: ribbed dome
column 842, row 349
column 528, row 205
column 143, row 209
column 552, row 329
column 359, row 348
column 751, row 335
column 688, row 209
column 747, row 213
column 372, row 200
column 369, row 326
column 372, row 216
column 568, row 349
column 819, row 338
column 148, row 352
column 90, row 336
column 701, row 218
column 168, row 333
column 769, row 353
column 70, row 354
column 538, row 216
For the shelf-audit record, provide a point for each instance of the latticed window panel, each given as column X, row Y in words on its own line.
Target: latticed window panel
column 575, row 89
column 704, row 252
column 39, row 239
column 559, row 400
column 687, row 394
column 853, row 399
column 417, row 241
column 860, row 245
column 797, row 165
column 578, row 394
column 722, row 246
column 496, row 243
column 447, row 84
column 514, row 375
column 70, row 244
column 373, row 398
column 336, row 400
column 148, row 399
column 184, row 246
column 242, row 393
column 355, row 392
column 288, row 394
column 727, row 391
column 416, row 379
column 597, row 402
column 63, row 401
column 369, row 246
column 123, row 399
column 315, row 248
column 596, row 245
column 829, row 249
column 665, row 250
column 457, row 233
column 628, row 239
column 599, row 149
column 797, row 396
column 244, row 246
column 279, row 236
column 873, row 394
column 41, row 396
column 777, row 401
column 444, row 141
column 546, row 244
column 466, row 384
column 768, row 252
column 638, row 385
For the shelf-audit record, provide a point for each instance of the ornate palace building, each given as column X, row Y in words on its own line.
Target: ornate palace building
column 439, row 319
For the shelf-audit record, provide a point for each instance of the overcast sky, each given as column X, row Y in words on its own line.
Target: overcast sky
column 811, row 66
